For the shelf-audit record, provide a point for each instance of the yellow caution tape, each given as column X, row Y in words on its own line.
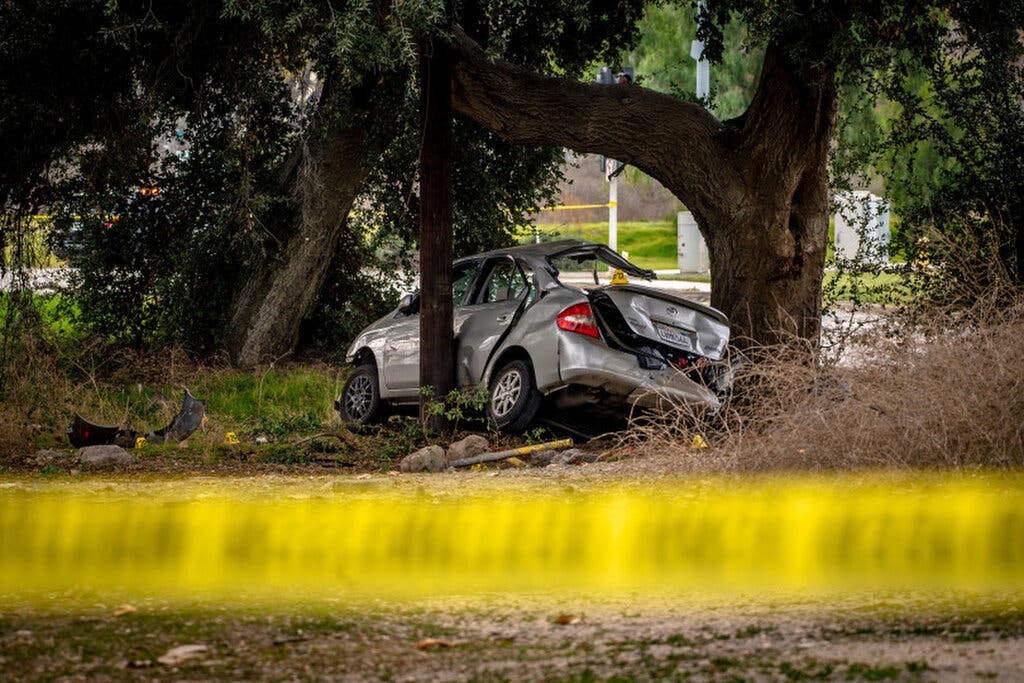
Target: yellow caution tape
column 316, row 538
column 570, row 207
column 548, row 446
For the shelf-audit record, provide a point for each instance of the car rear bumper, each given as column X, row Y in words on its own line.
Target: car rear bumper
column 590, row 362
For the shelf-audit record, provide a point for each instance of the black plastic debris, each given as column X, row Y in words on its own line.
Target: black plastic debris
column 82, row 432
column 184, row 423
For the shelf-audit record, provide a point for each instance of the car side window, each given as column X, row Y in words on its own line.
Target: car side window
column 462, row 279
column 531, row 280
column 505, row 283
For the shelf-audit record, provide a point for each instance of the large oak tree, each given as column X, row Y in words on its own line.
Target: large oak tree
column 758, row 184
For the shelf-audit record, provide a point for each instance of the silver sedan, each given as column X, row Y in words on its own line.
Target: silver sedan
column 523, row 334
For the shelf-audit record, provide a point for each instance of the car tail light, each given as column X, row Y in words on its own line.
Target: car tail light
column 579, row 318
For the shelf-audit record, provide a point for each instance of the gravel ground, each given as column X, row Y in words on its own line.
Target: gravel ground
column 895, row 638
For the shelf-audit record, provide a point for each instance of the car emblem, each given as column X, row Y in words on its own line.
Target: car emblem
column 671, row 310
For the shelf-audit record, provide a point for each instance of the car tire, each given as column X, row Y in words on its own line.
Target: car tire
column 513, row 399
column 360, row 402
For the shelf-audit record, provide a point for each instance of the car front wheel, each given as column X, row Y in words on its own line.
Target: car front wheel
column 360, row 402
column 514, row 399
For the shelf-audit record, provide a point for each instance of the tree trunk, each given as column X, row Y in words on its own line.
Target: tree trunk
column 327, row 173
column 768, row 251
column 437, row 348
column 757, row 185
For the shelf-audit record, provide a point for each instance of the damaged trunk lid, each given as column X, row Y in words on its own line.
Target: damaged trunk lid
column 662, row 318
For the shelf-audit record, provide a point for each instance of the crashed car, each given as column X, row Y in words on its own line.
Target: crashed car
column 524, row 334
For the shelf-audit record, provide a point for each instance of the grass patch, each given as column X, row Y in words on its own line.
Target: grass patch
column 872, row 288
column 867, row 672
column 59, row 315
column 650, row 244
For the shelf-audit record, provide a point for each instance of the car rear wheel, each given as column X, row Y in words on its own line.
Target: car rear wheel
column 360, row 402
column 514, row 400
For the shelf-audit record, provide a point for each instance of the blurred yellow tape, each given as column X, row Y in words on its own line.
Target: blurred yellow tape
column 568, row 207
column 225, row 540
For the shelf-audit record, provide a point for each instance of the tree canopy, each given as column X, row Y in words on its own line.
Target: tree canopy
column 248, row 115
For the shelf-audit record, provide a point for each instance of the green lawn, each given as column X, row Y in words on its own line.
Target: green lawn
column 649, row 244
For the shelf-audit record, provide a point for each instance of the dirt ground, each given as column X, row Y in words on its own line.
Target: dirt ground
column 893, row 638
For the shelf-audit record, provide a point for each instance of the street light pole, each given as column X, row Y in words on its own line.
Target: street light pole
column 697, row 53
column 613, row 205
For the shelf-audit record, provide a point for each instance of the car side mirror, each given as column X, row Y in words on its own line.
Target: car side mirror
column 407, row 305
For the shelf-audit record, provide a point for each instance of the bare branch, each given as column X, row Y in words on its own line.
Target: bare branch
column 677, row 142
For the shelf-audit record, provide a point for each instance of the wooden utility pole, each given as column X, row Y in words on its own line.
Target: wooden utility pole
column 437, row 352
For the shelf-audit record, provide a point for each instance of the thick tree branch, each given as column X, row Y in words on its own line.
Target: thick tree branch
column 626, row 122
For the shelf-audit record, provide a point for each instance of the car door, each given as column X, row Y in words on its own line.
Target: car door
column 488, row 316
column 401, row 371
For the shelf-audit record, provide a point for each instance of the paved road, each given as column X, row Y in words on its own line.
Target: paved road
column 42, row 280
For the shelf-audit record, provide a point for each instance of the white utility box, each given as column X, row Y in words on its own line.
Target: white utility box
column 692, row 251
column 862, row 227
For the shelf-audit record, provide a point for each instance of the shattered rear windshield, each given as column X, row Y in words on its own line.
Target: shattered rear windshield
column 568, row 264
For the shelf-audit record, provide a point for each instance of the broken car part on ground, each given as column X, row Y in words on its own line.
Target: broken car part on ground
column 82, row 432
column 524, row 334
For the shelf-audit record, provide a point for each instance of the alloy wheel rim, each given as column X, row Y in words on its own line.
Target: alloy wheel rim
column 506, row 393
column 358, row 397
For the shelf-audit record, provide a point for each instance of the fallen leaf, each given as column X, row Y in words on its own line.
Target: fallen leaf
column 124, row 609
column 182, row 653
column 434, row 644
column 140, row 663
column 567, row 619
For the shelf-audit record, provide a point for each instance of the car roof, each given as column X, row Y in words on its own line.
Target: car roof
column 542, row 249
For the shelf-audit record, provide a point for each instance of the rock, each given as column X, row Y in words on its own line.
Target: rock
column 103, row 457
column 429, row 459
column 182, row 653
column 49, row 458
column 474, row 444
column 574, row 456
column 543, row 458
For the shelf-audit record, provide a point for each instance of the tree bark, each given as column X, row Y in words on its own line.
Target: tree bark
column 757, row 185
column 437, row 347
column 327, row 173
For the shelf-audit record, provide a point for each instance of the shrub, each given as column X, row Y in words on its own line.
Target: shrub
column 948, row 395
